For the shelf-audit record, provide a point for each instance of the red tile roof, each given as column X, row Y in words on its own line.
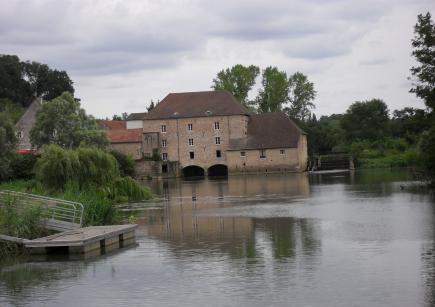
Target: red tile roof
column 269, row 130
column 125, row 135
column 197, row 104
column 112, row 124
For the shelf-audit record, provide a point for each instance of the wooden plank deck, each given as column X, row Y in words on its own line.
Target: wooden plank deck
column 84, row 240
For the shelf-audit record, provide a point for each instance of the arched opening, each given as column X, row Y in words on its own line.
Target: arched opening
column 218, row 170
column 193, row 171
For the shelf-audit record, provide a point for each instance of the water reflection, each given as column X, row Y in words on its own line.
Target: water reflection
column 343, row 239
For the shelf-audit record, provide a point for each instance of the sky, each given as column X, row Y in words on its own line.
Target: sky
column 123, row 54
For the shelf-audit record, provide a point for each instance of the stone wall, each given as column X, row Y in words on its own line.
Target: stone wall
column 133, row 149
column 26, row 123
column 204, row 135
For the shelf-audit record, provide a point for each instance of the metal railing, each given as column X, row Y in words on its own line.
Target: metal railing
column 58, row 214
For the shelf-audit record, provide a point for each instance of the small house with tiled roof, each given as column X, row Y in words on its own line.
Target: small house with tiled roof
column 212, row 133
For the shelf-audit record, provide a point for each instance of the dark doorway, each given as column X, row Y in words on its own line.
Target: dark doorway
column 218, row 170
column 193, row 171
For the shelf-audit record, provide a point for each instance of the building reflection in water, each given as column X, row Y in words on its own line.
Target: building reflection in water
column 188, row 222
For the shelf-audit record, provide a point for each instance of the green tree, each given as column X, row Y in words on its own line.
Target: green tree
column 409, row 123
column 13, row 110
column 13, row 86
column 22, row 81
column 423, row 45
column 238, row 80
column 61, row 121
column 274, row 91
column 301, row 96
column 8, row 142
column 366, row 120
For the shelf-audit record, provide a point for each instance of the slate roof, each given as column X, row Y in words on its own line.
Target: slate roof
column 269, row 130
column 137, row 116
column 113, row 124
column 197, row 104
column 124, row 135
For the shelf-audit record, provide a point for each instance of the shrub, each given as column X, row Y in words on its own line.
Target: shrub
column 127, row 189
column 125, row 163
column 22, row 166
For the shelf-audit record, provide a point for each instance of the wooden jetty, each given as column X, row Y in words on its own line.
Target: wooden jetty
column 84, row 240
column 66, row 218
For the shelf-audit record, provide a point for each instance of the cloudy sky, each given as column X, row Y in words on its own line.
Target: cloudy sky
column 122, row 54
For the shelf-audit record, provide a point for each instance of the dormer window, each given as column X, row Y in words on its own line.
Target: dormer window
column 54, row 133
column 20, row 134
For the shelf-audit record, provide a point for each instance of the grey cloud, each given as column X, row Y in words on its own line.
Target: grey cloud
column 375, row 61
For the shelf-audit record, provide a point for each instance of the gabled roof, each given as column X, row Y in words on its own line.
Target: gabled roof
column 137, row 116
column 197, row 104
column 113, row 124
column 125, row 136
column 269, row 130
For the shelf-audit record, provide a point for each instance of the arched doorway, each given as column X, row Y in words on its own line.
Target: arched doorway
column 218, row 170
column 193, row 171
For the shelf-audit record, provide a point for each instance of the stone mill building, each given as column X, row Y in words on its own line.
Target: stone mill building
column 211, row 133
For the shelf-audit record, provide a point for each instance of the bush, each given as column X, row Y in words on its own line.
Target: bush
column 427, row 148
column 89, row 167
column 19, row 221
column 22, row 166
column 125, row 163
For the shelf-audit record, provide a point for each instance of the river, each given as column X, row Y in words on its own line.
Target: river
column 365, row 238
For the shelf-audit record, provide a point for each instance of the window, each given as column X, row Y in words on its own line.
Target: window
column 20, row 134
column 192, row 155
column 218, row 154
column 282, row 152
column 217, row 140
column 190, row 142
column 164, row 168
column 164, row 156
column 242, row 153
column 190, row 127
column 54, row 133
column 164, row 143
column 216, row 125
column 262, row 154
column 163, row 128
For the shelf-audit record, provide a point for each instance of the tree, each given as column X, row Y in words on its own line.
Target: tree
column 409, row 123
column 22, row 81
column 238, row 80
column 8, row 142
column 274, row 91
column 301, row 96
column 366, row 120
column 13, row 110
column 151, row 106
column 424, row 52
column 61, row 121
column 13, row 86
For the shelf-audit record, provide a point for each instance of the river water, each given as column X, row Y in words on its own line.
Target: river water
column 341, row 239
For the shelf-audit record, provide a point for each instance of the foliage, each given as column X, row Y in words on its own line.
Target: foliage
column 20, row 222
column 238, row 80
column 274, row 91
column 126, row 163
column 22, row 166
column 423, row 45
column 301, row 95
column 8, row 142
column 156, row 156
column 125, row 189
column 409, row 123
column 12, row 110
column 324, row 135
column 366, row 120
column 428, row 153
column 61, row 121
column 21, row 81
column 89, row 167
